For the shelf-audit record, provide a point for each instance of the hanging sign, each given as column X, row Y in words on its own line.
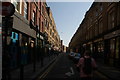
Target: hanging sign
column 7, row 9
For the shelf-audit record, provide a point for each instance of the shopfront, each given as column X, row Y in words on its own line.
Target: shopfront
column 14, row 50
column 112, row 48
column 24, row 49
column 97, row 48
column 40, row 41
column 112, row 51
column 117, row 52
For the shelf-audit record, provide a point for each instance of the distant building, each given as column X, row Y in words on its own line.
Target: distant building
column 64, row 49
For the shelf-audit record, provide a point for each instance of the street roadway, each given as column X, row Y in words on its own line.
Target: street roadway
column 64, row 69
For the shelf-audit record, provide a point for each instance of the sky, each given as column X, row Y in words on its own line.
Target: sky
column 67, row 17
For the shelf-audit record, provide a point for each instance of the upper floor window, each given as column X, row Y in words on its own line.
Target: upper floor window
column 111, row 20
column 96, row 29
column 42, row 28
column 25, row 9
column 90, row 22
column 16, row 4
column 50, row 31
column 101, row 7
column 33, row 16
column 100, row 26
column 42, row 9
column 96, row 13
column 39, row 25
column 48, row 25
column 45, row 22
column 90, row 32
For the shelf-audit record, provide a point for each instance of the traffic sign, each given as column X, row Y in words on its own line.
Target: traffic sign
column 8, row 9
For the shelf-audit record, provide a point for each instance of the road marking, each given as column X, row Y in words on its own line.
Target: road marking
column 72, row 70
column 70, row 73
column 47, row 70
column 101, row 75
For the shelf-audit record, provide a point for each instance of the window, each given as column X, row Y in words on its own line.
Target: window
column 96, row 29
column 101, row 7
column 45, row 22
column 25, row 9
column 42, row 9
column 111, row 20
column 39, row 24
column 33, row 16
column 48, row 25
column 53, row 34
column 100, row 26
column 50, row 32
column 17, row 5
column 93, row 30
column 96, row 13
column 90, row 21
column 91, row 35
column 42, row 26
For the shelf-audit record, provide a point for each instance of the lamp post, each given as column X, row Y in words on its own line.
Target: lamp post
column 8, row 10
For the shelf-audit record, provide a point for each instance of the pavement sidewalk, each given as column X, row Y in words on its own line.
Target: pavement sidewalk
column 28, row 70
column 111, row 72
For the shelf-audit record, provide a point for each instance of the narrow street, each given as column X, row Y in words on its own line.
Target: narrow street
column 45, row 39
column 64, row 68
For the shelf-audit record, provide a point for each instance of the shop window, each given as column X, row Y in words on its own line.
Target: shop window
column 112, row 47
column 117, row 48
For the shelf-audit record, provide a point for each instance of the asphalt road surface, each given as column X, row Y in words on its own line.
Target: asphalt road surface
column 64, row 69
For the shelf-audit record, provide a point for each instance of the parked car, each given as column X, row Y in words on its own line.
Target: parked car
column 71, row 55
column 76, row 58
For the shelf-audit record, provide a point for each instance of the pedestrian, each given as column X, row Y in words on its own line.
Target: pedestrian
column 86, row 66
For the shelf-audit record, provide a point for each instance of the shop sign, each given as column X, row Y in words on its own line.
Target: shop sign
column 14, row 37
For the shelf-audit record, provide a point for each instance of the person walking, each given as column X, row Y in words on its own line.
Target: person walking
column 86, row 66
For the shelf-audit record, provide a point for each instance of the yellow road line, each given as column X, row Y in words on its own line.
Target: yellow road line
column 47, row 71
column 101, row 75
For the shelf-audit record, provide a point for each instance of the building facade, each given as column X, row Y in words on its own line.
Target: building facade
column 99, row 32
column 28, row 33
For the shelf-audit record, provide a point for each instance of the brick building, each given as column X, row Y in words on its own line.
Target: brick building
column 29, row 32
column 100, row 32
